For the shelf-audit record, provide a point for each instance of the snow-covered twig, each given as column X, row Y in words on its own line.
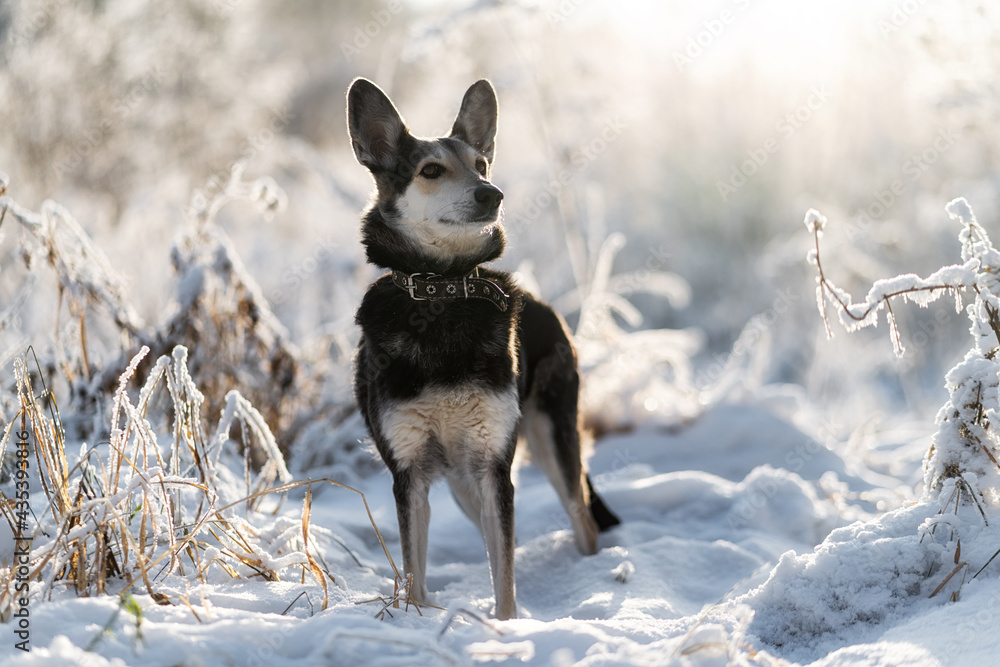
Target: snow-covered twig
column 911, row 287
column 962, row 464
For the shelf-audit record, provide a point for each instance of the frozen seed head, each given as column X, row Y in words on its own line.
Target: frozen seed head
column 815, row 221
column 960, row 211
column 269, row 196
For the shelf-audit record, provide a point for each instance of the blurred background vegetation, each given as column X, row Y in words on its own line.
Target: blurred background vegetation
column 700, row 131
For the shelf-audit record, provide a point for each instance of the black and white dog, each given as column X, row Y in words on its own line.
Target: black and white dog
column 455, row 360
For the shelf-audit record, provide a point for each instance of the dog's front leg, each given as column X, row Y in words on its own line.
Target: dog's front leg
column 497, row 521
column 414, row 514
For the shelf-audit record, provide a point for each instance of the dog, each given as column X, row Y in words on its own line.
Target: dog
column 455, row 360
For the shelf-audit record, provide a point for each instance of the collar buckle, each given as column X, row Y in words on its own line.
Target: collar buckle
column 410, row 285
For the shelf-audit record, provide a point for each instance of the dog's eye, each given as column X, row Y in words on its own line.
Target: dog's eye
column 432, row 170
column 481, row 167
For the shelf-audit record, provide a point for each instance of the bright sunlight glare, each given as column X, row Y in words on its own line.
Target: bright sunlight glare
column 782, row 39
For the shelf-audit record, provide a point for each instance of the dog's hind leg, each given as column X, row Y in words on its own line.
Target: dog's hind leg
column 414, row 514
column 548, row 447
column 551, row 428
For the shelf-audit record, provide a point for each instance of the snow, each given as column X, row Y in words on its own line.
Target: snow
column 814, row 221
column 960, row 210
column 722, row 558
column 858, row 578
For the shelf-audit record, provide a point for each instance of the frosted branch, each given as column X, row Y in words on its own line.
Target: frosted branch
column 910, row 287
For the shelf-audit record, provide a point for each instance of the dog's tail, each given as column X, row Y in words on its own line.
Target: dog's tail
column 604, row 517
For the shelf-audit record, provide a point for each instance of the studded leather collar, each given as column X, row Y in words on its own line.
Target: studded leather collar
column 432, row 287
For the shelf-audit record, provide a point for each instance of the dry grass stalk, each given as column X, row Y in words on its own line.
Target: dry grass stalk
column 130, row 512
column 313, row 565
column 131, row 509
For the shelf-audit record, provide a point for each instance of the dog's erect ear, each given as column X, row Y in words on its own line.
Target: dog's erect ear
column 476, row 123
column 374, row 125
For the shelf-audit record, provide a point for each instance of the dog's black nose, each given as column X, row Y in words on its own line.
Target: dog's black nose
column 489, row 194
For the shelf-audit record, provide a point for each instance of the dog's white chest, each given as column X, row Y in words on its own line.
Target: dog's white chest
column 471, row 424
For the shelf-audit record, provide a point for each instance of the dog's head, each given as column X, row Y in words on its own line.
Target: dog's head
column 435, row 209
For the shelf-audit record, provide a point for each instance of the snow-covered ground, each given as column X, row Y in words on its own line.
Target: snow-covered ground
column 725, row 556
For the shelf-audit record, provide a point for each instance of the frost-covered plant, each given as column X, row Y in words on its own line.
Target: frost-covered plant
column 631, row 377
column 222, row 315
column 962, row 462
column 219, row 311
column 92, row 291
column 85, row 274
column 105, row 116
column 237, row 341
column 137, row 511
